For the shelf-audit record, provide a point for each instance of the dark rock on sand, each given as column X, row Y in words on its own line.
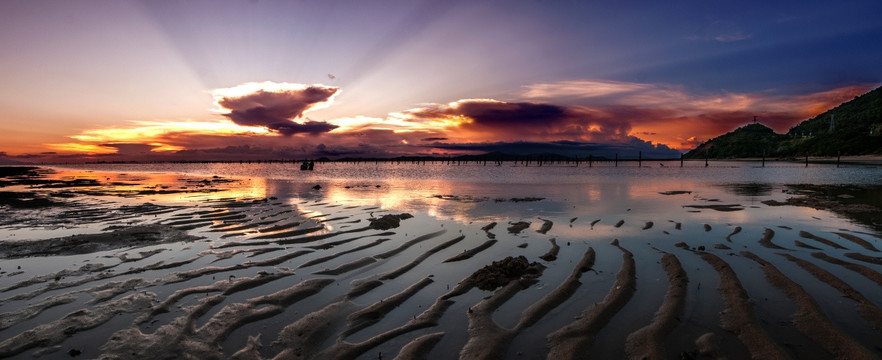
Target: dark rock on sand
column 675, row 192
column 516, row 200
column 461, row 198
column 501, row 272
column 546, row 226
column 517, row 227
column 718, row 207
column 387, row 222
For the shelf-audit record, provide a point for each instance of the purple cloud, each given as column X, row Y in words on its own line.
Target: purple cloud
column 276, row 105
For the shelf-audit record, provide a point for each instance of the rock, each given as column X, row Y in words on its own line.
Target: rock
column 317, row 187
column 501, row 272
column 546, row 225
column 675, row 192
column 517, row 227
column 387, row 222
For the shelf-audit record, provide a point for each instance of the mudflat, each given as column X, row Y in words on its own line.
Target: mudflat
column 137, row 265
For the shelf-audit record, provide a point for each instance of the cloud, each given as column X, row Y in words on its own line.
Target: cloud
column 276, row 105
column 581, row 88
column 575, row 118
column 484, row 112
column 493, row 120
column 671, row 115
column 309, row 127
column 131, row 149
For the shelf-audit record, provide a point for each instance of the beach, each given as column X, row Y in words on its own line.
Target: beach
column 435, row 261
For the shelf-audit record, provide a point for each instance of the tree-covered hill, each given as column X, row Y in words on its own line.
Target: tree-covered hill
column 852, row 128
column 748, row 141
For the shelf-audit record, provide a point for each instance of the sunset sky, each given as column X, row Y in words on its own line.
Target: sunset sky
column 188, row 80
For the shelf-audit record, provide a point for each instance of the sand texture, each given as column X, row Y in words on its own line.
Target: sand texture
column 203, row 269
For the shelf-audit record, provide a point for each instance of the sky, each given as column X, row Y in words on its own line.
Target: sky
column 124, row 80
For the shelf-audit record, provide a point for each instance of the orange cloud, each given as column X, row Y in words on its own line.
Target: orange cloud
column 486, row 120
column 670, row 115
column 260, row 121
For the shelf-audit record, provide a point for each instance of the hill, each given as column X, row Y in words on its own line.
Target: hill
column 754, row 140
column 852, row 128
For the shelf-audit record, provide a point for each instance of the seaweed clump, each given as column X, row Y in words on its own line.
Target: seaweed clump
column 501, row 272
column 387, row 222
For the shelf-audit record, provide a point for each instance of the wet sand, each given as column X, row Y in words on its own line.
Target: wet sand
column 207, row 272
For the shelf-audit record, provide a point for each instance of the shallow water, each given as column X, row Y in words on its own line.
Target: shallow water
column 238, row 200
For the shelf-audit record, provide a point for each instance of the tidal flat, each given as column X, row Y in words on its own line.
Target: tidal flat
column 438, row 261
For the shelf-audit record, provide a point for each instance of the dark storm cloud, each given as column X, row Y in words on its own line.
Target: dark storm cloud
column 513, row 114
column 309, row 127
column 434, row 139
column 527, row 121
column 277, row 108
column 498, row 113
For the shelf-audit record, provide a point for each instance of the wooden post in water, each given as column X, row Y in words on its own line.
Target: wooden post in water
column 681, row 159
column 706, row 155
column 806, row 159
column 590, row 160
column 838, row 155
column 640, row 159
column 764, row 158
column 617, row 159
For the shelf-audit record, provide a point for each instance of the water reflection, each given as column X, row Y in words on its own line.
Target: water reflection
column 467, row 202
column 162, row 187
column 470, row 193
